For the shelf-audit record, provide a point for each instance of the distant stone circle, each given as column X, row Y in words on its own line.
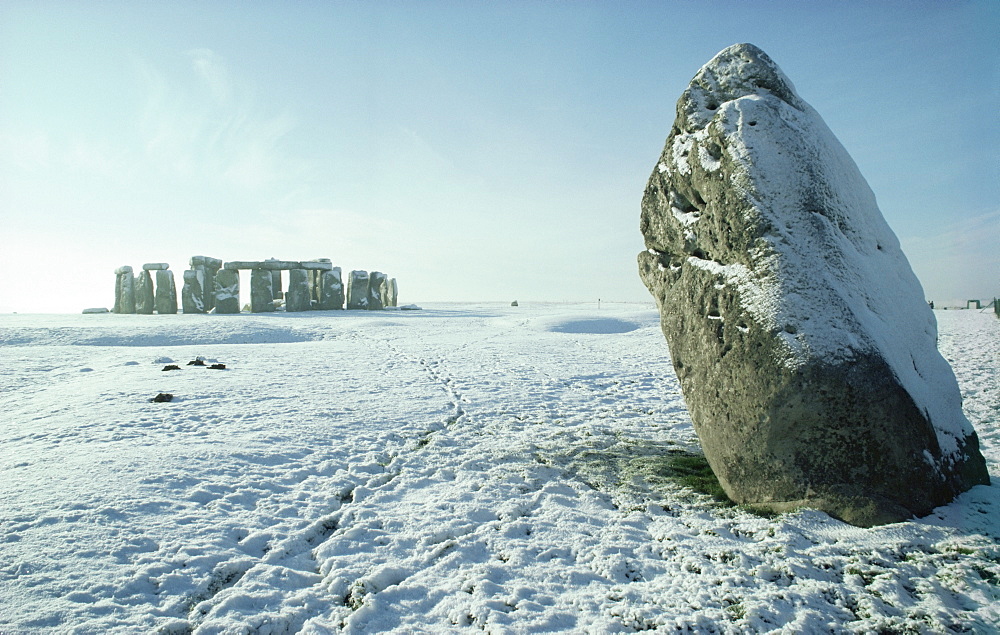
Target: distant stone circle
column 211, row 286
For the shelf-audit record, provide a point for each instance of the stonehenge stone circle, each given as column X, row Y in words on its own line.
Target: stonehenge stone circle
column 805, row 350
column 166, row 292
column 212, row 285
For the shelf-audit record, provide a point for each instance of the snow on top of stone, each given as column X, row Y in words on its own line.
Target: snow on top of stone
column 827, row 245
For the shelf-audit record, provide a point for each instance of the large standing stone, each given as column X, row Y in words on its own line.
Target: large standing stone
column 804, row 347
column 393, row 293
column 166, row 292
column 332, row 290
column 227, row 291
column 208, row 267
column 192, row 296
column 144, row 300
column 124, row 290
column 276, row 293
column 297, row 296
column 261, row 292
column 357, row 290
column 376, row 287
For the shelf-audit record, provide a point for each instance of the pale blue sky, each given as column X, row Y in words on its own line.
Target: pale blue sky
column 473, row 150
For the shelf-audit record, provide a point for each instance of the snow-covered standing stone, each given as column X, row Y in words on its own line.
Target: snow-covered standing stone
column 192, row 296
column 297, row 296
column 261, row 292
column 805, row 350
column 227, row 291
column 331, row 290
column 376, row 289
column 124, row 290
column 144, row 299
column 166, row 292
column 208, row 266
column 357, row 290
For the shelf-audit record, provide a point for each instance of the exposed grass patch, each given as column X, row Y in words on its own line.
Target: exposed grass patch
column 615, row 463
column 692, row 471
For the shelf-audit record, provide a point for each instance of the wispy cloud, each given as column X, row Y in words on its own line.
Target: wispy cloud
column 207, row 125
column 213, row 72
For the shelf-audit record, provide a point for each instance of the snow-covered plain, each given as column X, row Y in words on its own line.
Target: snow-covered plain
column 463, row 467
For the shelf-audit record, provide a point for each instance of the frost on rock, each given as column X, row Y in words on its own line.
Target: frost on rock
column 357, row 290
column 805, row 350
column 227, row 291
column 192, row 294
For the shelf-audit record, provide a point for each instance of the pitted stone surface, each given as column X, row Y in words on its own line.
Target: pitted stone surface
column 798, row 331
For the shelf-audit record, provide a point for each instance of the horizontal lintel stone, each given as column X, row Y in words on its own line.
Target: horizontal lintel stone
column 243, row 264
column 317, row 265
column 281, row 265
column 155, row 266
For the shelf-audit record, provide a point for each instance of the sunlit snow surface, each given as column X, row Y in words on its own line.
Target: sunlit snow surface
column 463, row 467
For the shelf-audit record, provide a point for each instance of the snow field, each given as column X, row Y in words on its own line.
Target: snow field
column 464, row 467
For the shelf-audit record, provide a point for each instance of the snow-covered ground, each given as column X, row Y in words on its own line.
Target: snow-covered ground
column 463, row 467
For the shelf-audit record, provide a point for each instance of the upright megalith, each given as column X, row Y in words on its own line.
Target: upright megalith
column 261, row 291
column 297, row 297
column 145, row 301
column 124, row 290
column 227, row 291
column 208, row 267
column 376, row 291
column 393, row 293
column 332, row 290
column 799, row 333
column 192, row 294
column 166, row 292
column 357, row 290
